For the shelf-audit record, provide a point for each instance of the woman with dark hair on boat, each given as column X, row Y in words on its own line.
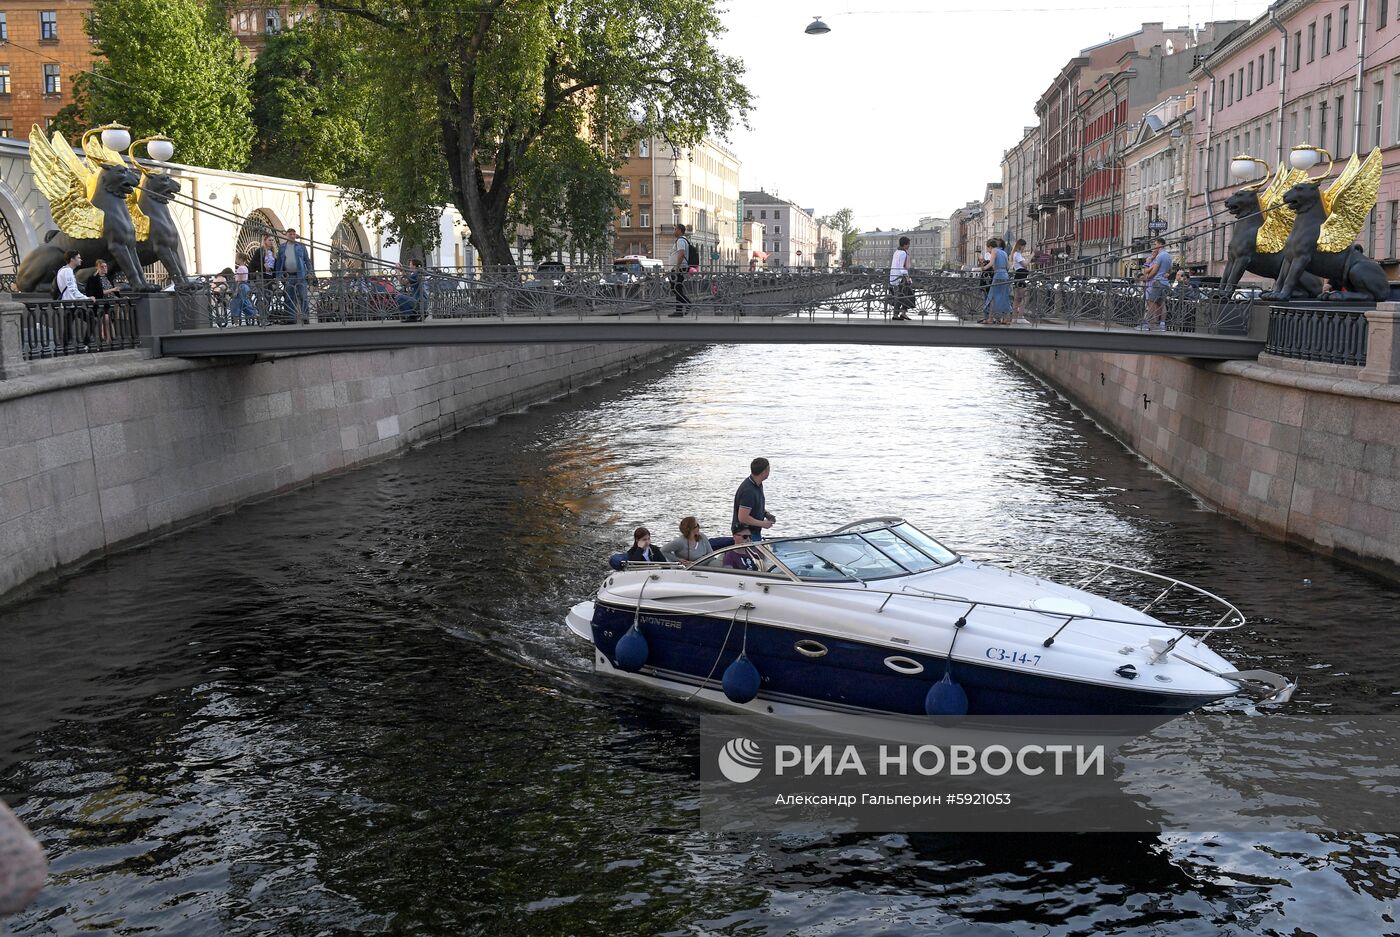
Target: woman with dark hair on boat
column 642, row 551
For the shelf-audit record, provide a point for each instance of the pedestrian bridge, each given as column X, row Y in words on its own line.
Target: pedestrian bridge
column 700, row 329
column 361, row 312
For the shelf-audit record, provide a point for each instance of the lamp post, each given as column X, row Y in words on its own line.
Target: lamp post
column 311, row 225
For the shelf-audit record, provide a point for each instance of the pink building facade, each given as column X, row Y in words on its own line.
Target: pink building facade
column 1291, row 77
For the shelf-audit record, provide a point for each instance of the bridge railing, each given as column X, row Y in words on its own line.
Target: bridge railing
column 938, row 297
column 1327, row 333
column 213, row 301
column 59, row 329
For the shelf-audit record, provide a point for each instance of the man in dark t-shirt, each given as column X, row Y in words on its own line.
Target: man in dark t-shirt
column 749, row 507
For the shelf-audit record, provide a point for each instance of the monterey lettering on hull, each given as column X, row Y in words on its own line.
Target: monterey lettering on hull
column 930, row 760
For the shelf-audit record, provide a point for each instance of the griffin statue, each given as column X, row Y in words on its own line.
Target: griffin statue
column 1256, row 243
column 105, row 207
column 157, row 236
column 1325, row 229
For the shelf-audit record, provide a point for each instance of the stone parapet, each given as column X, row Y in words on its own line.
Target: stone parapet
column 1383, row 344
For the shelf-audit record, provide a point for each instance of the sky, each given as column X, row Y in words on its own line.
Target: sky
column 904, row 109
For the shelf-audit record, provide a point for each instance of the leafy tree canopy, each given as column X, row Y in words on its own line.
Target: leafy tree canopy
column 171, row 67
column 517, row 111
column 310, row 106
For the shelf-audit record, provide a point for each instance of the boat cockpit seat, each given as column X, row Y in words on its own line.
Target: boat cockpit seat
column 619, row 560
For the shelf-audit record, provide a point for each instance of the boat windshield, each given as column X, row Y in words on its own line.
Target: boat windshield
column 879, row 553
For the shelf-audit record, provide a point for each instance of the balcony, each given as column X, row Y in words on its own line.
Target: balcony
column 1064, row 196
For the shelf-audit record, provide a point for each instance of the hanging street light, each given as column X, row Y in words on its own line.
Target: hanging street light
column 817, row 27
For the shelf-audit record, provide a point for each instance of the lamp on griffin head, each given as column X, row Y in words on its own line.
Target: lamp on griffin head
column 1305, row 156
column 115, row 137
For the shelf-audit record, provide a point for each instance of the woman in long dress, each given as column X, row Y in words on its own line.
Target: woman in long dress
column 999, row 298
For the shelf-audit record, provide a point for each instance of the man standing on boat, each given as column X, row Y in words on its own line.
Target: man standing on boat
column 749, row 507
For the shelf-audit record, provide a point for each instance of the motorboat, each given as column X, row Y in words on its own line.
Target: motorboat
column 877, row 617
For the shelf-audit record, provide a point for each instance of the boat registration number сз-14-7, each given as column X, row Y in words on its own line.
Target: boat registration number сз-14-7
column 1013, row 656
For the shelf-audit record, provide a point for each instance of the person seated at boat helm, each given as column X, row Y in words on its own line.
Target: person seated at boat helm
column 741, row 559
column 642, row 551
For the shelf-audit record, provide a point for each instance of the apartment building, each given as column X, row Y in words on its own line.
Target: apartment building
column 790, row 234
column 43, row 44
column 665, row 185
column 1290, row 78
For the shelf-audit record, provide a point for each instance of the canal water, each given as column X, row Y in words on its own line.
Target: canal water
column 355, row 709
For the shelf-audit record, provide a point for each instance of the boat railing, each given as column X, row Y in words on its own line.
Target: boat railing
column 1229, row 618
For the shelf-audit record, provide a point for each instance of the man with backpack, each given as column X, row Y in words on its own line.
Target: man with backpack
column 684, row 256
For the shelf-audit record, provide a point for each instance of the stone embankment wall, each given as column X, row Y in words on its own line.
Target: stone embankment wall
column 103, row 455
column 1305, row 457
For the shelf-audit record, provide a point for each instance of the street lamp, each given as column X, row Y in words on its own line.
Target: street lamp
column 116, row 137
column 311, row 225
column 817, row 27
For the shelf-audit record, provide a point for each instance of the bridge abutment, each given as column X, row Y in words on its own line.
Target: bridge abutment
column 1309, row 458
column 102, row 453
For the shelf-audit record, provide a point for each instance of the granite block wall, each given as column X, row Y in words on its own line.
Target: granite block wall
column 1301, row 457
column 140, row 446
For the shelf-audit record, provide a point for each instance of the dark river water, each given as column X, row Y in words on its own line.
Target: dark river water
column 355, row 709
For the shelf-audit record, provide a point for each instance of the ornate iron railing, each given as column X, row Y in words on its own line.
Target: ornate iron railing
column 1328, row 333
column 57, row 329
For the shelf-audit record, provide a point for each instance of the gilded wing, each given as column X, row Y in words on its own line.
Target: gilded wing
column 1348, row 201
column 1278, row 217
column 66, row 183
column 138, row 217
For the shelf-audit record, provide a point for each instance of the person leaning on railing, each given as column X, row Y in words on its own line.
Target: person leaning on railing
column 100, row 289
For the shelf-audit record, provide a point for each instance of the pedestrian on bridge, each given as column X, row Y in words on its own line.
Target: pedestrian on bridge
column 294, row 270
column 997, row 306
column 901, row 286
column 680, row 266
column 1158, row 278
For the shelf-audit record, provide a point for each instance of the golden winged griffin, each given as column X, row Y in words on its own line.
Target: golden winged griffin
column 1300, row 236
column 106, row 206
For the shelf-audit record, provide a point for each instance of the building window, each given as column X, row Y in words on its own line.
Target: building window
column 1379, row 92
column 1341, row 121
column 1395, row 109
column 48, row 26
column 626, row 219
column 52, row 83
column 7, row 127
column 1272, row 58
column 4, row 79
column 1312, row 41
column 272, row 21
column 1268, row 138
column 1230, row 92
column 1239, row 87
column 1307, row 125
column 1382, row 13
column 1392, row 210
column 677, row 185
column 675, row 216
column 4, row 27
column 762, row 214
column 644, row 149
column 777, row 229
column 646, row 216
column 626, row 185
column 1322, row 122
column 1327, row 34
column 1249, row 79
column 1342, row 26
column 644, row 187
column 1297, row 49
column 1293, row 129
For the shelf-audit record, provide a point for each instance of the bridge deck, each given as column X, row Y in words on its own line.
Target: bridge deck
column 705, row 329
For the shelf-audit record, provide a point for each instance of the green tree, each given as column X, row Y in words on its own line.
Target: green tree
column 171, row 67
column 311, row 106
column 517, row 113
column 844, row 221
